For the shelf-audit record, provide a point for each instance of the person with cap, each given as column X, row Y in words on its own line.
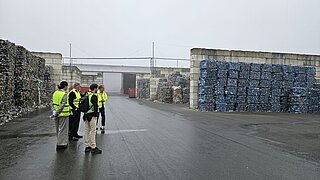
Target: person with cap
column 61, row 113
column 74, row 118
column 90, row 121
column 102, row 98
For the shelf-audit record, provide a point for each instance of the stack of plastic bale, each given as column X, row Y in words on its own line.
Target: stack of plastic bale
column 313, row 100
column 41, row 73
column 254, row 90
column 206, row 85
column 164, row 91
column 243, row 85
column 265, row 88
column 177, row 94
column 186, row 95
column 220, row 86
column 48, row 83
column 7, row 56
column 310, row 77
column 298, row 100
column 143, row 88
column 233, row 69
column 278, row 92
column 22, row 95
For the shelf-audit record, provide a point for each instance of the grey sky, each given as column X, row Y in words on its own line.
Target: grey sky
column 105, row 28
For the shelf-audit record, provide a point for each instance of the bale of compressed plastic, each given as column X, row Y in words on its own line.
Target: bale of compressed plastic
column 276, row 84
column 242, row 99
column 275, row 107
column 253, row 91
column 221, row 82
column 277, row 68
column 264, row 107
column 231, row 90
column 274, row 99
column 186, row 95
column 265, row 83
column 266, row 67
column 266, row 76
column 253, row 108
column 277, row 76
column 253, row 99
column 288, row 76
column 255, row 67
column 255, row 75
column 221, row 107
column 241, row 107
column 244, row 66
column 177, row 94
column 220, row 99
column 253, row 83
column 221, row 73
column 221, row 65
column 263, row 99
column 241, row 91
column 244, row 74
column 243, row 83
column 232, row 82
column 231, row 99
column 233, row 66
column 219, row 90
column 233, row 74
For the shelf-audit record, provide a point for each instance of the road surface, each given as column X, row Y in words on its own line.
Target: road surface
column 147, row 140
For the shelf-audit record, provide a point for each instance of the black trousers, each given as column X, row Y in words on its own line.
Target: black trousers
column 103, row 115
column 74, row 121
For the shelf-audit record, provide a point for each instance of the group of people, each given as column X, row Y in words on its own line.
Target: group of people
column 66, row 112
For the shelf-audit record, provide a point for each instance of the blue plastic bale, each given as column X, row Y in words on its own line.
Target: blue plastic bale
column 233, row 66
column 220, row 99
column 221, row 107
column 206, row 82
column 276, row 84
column 231, row 90
column 243, row 83
column 299, row 69
column 277, row 76
column 287, row 69
column 277, row 68
column 275, row 107
column 300, row 77
column 266, row 67
column 287, row 84
column 253, row 91
column 255, row 75
column 222, row 82
column 285, row 92
column 207, row 107
column 300, row 84
column 242, row 99
column 212, row 64
column 275, row 99
column 232, row 82
column 222, row 65
column 288, row 76
column 276, row 91
column 244, row 74
column 265, row 91
column 231, row 99
column 222, row 73
column 264, row 107
column 253, row 108
column 265, row 83
column 255, row 67
column 263, row 99
column 241, row 107
column 204, row 73
column 244, row 66
column 253, row 99
column 298, row 108
column 233, row 74
column 266, row 75
column 299, row 91
column 254, row 83
column 230, row 107
column 241, row 91
column 204, row 64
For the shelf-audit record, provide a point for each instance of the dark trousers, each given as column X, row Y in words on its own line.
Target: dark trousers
column 74, row 121
column 103, row 115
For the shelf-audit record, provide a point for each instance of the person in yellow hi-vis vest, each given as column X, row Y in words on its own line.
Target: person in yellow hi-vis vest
column 61, row 113
column 102, row 98
column 74, row 118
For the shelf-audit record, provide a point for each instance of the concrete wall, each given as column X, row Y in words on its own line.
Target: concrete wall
column 89, row 78
column 198, row 55
column 54, row 60
column 73, row 76
column 113, row 82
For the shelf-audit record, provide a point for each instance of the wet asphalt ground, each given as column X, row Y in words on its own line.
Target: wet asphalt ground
column 147, row 140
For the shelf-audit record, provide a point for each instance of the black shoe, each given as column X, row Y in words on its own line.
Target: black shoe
column 78, row 136
column 87, row 149
column 102, row 131
column 61, row 147
column 73, row 139
column 96, row 151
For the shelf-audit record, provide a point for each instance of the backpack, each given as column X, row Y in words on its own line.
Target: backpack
column 84, row 104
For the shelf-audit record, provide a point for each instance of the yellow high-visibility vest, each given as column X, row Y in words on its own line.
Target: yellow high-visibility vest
column 90, row 94
column 56, row 101
column 102, row 98
column 78, row 97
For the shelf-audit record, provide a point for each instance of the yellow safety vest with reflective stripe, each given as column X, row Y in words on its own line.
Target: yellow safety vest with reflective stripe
column 102, row 98
column 78, row 97
column 56, row 101
column 90, row 94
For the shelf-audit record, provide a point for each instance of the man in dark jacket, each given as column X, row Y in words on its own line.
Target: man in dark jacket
column 90, row 121
column 74, row 118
